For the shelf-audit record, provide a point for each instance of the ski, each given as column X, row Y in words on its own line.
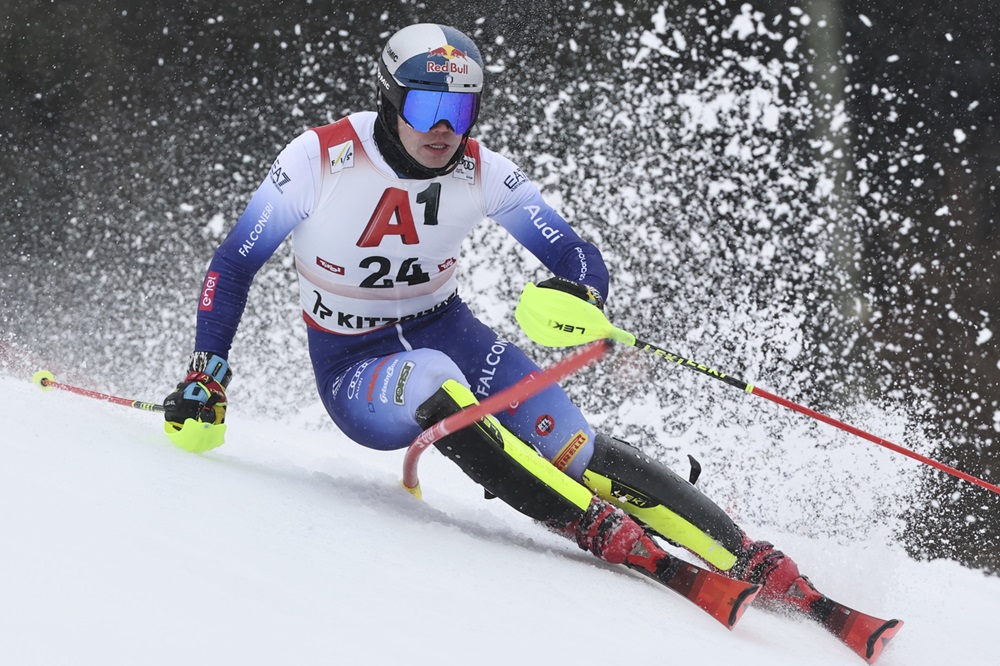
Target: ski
column 723, row 598
column 865, row 634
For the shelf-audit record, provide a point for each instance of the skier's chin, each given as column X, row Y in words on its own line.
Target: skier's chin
column 433, row 156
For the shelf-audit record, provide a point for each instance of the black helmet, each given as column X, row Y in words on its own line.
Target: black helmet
column 427, row 73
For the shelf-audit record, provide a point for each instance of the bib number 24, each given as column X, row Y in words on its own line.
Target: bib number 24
column 409, row 272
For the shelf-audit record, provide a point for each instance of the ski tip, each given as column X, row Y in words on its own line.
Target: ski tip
column 879, row 639
column 866, row 635
column 740, row 605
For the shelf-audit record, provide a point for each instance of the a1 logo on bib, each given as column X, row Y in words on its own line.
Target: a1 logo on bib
column 341, row 156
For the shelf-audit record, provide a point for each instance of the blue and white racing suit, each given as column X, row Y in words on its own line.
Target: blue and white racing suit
column 376, row 257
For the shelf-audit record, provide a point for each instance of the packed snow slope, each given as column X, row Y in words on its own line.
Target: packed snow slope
column 291, row 545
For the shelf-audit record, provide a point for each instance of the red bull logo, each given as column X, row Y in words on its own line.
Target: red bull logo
column 447, row 51
column 449, row 66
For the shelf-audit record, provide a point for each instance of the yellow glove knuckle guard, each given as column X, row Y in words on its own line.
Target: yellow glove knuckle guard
column 554, row 318
column 195, row 436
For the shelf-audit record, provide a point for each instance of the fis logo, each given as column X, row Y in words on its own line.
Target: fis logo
column 341, row 156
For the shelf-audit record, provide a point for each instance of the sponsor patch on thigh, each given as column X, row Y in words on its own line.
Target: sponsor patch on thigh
column 569, row 451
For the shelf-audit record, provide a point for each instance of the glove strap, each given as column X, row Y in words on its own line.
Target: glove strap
column 209, row 366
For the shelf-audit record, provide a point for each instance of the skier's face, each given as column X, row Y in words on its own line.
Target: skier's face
column 434, row 148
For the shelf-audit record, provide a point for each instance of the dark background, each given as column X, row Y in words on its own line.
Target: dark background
column 132, row 135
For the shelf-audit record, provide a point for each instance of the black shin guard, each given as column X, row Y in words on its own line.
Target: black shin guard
column 656, row 496
column 505, row 466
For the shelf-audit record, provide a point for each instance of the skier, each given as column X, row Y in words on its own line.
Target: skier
column 378, row 204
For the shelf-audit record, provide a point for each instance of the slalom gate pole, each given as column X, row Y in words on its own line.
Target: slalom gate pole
column 522, row 390
column 557, row 319
column 45, row 380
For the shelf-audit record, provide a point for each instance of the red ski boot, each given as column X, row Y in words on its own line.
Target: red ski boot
column 606, row 532
column 614, row 537
column 782, row 586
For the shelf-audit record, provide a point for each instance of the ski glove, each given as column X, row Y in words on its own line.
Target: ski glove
column 195, row 413
column 562, row 313
column 577, row 289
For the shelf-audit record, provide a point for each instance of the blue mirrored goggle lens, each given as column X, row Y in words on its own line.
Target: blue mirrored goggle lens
column 423, row 109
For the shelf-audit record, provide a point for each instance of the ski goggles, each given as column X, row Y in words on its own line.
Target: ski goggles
column 423, row 109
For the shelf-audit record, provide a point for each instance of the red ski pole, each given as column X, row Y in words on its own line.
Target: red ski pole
column 45, row 380
column 819, row 416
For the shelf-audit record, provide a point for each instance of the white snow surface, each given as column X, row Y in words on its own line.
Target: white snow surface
column 291, row 545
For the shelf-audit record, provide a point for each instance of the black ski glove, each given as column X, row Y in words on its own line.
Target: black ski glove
column 581, row 291
column 202, row 394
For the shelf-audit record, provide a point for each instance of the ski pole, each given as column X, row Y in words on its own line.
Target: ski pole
column 559, row 319
column 522, row 390
column 44, row 380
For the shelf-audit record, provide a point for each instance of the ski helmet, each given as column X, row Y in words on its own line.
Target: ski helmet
column 429, row 73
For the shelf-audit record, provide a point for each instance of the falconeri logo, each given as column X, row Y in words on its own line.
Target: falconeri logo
column 258, row 230
column 341, row 156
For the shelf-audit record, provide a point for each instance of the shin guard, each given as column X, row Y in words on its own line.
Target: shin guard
column 504, row 465
column 655, row 496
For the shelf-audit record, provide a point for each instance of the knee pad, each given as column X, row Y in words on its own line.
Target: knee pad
column 504, row 465
column 657, row 497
